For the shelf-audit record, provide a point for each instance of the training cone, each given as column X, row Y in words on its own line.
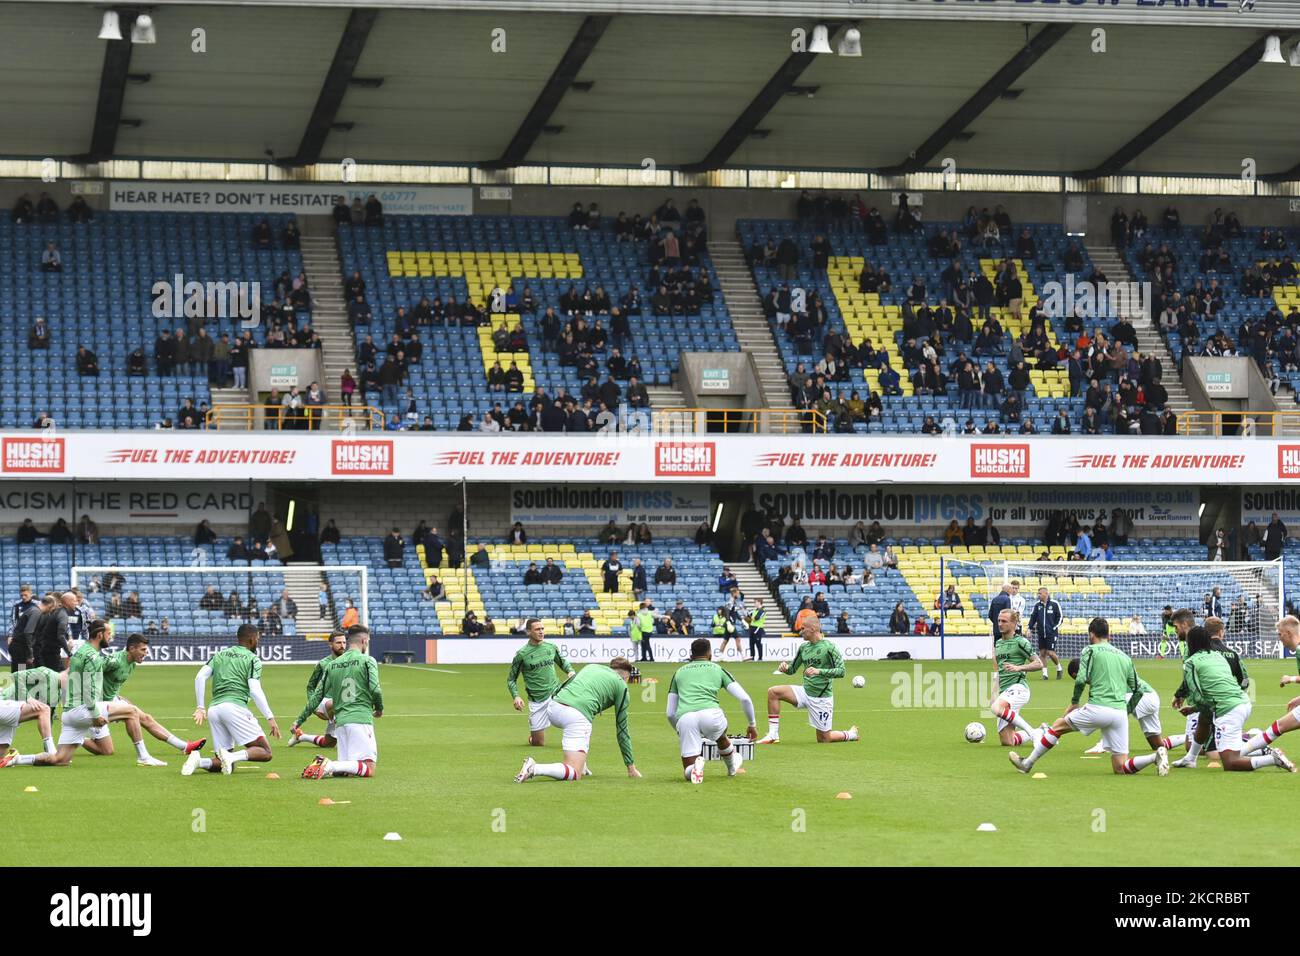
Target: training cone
column 325, row 802
column 272, row 776
column 30, row 790
column 986, row 828
column 843, row 795
column 392, row 836
column 1040, row 776
column 1214, row 765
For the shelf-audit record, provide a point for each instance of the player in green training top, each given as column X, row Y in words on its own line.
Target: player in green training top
column 351, row 681
column 1199, row 735
column 1113, row 691
column 1013, row 657
column 821, row 662
column 118, row 667
column 537, row 661
column 1147, row 712
column 694, row 712
column 1212, row 686
column 1288, row 632
column 86, row 708
column 593, row 689
column 236, row 674
column 338, row 644
column 17, row 707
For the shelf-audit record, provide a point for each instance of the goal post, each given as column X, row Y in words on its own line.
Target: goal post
column 242, row 593
column 1133, row 597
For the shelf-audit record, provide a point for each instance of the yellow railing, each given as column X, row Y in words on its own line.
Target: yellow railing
column 780, row 421
column 1217, row 422
column 334, row 418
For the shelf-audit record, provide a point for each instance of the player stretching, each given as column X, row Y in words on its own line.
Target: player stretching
column 1013, row 658
column 1147, row 712
column 17, row 708
column 694, row 712
column 537, row 661
column 1045, row 624
column 1211, row 686
column 118, row 668
column 338, row 644
column 236, row 674
column 593, row 689
column 821, row 662
column 1288, row 632
column 85, row 708
column 1199, row 735
column 1113, row 689
column 352, row 679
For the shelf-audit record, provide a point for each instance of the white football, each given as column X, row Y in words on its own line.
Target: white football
column 975, row 731
column 859, row 681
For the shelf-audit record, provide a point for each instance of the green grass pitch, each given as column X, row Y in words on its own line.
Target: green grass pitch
column 450, row 744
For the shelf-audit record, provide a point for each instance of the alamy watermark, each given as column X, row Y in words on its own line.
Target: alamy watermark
column 179, row 299
column 949, row 689
column 1095, row 300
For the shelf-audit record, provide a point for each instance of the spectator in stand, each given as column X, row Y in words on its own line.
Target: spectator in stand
column 552, row 572
column 203, row 534
column 532, row 576
column 795, row 535
column 470, row 626
column 87, row 363
column 39, row 335
column 1275, row 536
column 51, row 261
column 899, row 623
column 921, row 626
column 858, row 537
column 704, row 535
column 639, row 585
column 517, row 534
column 237, row 551
column 666, row 574
column 286, row 606
column 874, row 558
column 480, row 558
column 726, row 581
column 434, row 590
column 394, row 549
column 374, row 211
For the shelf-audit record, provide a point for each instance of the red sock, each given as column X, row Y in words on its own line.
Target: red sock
column 1273, row 732
column 364, row 769
column 570, row 773
column 318, row 741
column 1130, row 766
column 1167, row 744
column 1009, row 716
column 1049, row 739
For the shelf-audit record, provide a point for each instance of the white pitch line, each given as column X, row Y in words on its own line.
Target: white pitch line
column 423, row 667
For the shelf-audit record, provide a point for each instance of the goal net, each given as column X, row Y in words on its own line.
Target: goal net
column 1135, row 597
column 211, row 601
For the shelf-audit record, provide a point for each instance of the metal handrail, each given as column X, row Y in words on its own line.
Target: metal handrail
column 256, row 417
column 781, row 421
column 1240, row 422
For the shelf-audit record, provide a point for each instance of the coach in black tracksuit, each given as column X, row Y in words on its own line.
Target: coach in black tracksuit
column 1001, row 602
column 52, row 636
column 1045, row 624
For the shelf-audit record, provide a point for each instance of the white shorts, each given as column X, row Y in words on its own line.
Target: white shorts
column 1227, row 728
column 1147, row 713
column 575, row 727
column 323, row 712
column 1111, row 721
column 821, row 710
column 698, row 726
column 1017, row 695
column 357, row 742
column 75, row 725
column 538, row 718
column 233, row 726
column 10, row 711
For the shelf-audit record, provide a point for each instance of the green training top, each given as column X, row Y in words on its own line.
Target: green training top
column 824, row 656
column 1211, row 683
column 232, row 669
column 1012, row 650
column 117, row 671
column 40, row 683
column 697, row 684
column 86, row 677
column 1108, row 674
column 351, row 680
column 537, row 662
column 596, row 688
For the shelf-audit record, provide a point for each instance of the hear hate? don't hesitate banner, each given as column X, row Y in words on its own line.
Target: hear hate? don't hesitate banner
column 817, row 460
column 298, row 198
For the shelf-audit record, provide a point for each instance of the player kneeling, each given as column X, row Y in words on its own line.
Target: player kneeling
column 694, row 712
column 14, row 712
column 338, row 644
column 236, row 674
column 1288, row 632
column 352, row 678
column 1014, row 658
column 1113, row 687
column 821, row 662
column 594, row 689
column 1147, row 712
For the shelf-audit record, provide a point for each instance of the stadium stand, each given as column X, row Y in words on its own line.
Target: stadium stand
column 438, row 257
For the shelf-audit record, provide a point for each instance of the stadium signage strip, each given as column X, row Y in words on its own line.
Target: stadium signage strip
column 751, row 459
column 542, row 504
column 301, row 198
column 918, row 505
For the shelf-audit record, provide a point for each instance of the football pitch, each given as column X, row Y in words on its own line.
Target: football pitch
column 450, row 744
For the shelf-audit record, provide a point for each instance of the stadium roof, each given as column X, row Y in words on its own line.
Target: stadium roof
column 591, row 88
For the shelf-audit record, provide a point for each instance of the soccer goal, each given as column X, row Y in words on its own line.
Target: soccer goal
column 212, row 600
column 1133, row 596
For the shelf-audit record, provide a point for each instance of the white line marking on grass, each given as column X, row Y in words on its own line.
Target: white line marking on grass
column 424, row 667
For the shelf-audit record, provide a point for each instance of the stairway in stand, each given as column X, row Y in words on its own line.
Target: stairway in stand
column 329, row 317
column 746, row 309
column 1150, row 339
